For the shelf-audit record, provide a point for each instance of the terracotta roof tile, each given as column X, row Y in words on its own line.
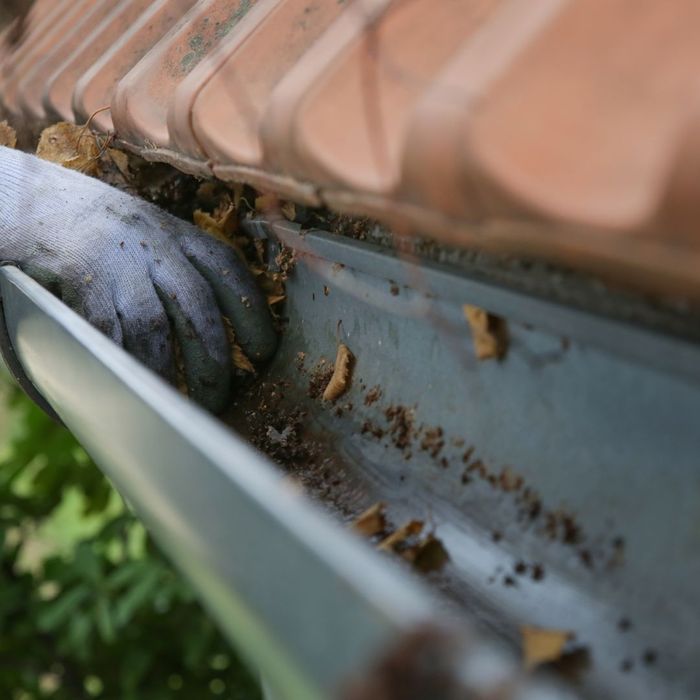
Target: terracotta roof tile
column 17, row 59
column 235, row 95
column 563, row 128
column 58, row 95
column 96, row 88
column 141, row 101
column 344, row 113
column 34, row 81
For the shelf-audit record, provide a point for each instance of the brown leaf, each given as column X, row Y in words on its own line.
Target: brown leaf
column 8, row 136
column 221, row 222
column 340, row 379
column 371, row 522
column 488, row 333
column 289, row 211
column 541, row 645
column 430, row 555
column 240, row 359
column 399, row 537
column 267, row 202
column 121, row 160
column 71, row 146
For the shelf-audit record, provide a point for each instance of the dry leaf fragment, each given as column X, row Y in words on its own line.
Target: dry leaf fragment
column 238, row 357
column 71, row 146
column 240, row 360
column 430, row 555
column 222, row 222
column 8, row 136
column 121, row 160
column 275, row 298
column 488, row 332
column 266, row 203
column 289, row 211
column 340, row 379
column 541, row 645
column 399, row 537
column 371, row 522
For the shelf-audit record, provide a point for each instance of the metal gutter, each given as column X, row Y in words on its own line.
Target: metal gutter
column 302, row 599
column 589, row 419
column 675, row 355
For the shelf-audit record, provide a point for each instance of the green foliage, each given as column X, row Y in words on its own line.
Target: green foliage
column 89, row 608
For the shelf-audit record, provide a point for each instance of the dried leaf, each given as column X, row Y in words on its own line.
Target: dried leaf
column 221, row 223
column 8, row 136
column 399, row 537
column 541, row 645
column 340, row 379
column 371, row 522
column 276, row 299
column 488, row 332
column 430, row 555
column 289, row 211
column 121, row 160
column 266, row 202
column 71, row 146
column 237, row 189
column 240, row 360
column 238, row 357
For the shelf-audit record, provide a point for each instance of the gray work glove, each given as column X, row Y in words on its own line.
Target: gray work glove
column 136, row 273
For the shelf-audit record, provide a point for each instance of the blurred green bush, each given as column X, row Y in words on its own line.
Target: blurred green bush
column 89, row 608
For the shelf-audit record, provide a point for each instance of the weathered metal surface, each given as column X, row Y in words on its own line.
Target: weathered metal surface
column 311, row 606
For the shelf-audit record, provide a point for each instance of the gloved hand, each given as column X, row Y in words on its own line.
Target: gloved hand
column 135, row 272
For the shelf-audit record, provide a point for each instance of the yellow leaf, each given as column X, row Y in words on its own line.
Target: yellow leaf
column 541, row 645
